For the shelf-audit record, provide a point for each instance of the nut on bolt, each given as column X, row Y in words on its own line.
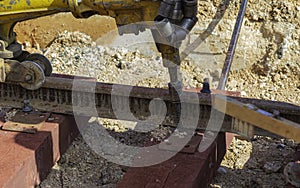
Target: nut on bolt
column 206, row 87
column 27, row 107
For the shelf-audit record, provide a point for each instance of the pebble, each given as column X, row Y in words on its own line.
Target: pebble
column 243, row 93
column 272, row 167
column 280, row 146
column 222, row 170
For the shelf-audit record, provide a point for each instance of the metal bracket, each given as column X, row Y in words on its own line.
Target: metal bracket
column 16, row 71
column 26, row 122
column 3, row 52
column 12, row 51
column 2, row 70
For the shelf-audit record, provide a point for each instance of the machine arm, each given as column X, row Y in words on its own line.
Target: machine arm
column 13, row 11
column 173, row 20
column 30, row 69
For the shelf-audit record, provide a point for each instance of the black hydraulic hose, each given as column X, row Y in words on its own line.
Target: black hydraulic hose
column 232, row 46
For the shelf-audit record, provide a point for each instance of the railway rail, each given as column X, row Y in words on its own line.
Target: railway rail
column 67, row 95
column 64, row 94
column 59, row 94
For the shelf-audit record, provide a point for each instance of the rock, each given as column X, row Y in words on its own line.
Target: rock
column 280, row 146
column 92, row 120
column 27, row 44
column 252, row 164
column 276, row 78
column 222, row 170
column 272, row 167
column 243, row 94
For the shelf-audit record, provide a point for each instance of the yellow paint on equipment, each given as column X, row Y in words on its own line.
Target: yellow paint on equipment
column 125, row 12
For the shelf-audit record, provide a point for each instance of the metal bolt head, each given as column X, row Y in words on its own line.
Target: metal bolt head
column 26, row 107
column 28, row 77
column 206, row 87
column 26, row 102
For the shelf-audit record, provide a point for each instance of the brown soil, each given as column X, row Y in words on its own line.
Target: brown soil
column 41, row 31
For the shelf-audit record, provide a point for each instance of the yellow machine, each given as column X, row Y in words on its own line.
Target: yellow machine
column 30, row 69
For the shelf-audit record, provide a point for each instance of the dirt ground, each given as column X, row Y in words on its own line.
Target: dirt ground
column 266, row 66
column 41, row 32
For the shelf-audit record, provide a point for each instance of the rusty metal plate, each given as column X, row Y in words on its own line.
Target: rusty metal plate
column 193, row 145
column 184, row 170
column 26, row 122
column 190, row 147
column 21, row 127
column 149, row 177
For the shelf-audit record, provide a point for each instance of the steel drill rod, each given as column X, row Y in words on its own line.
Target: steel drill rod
column 232, row 46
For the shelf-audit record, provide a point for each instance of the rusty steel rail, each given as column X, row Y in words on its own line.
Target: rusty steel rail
column 58, row 95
